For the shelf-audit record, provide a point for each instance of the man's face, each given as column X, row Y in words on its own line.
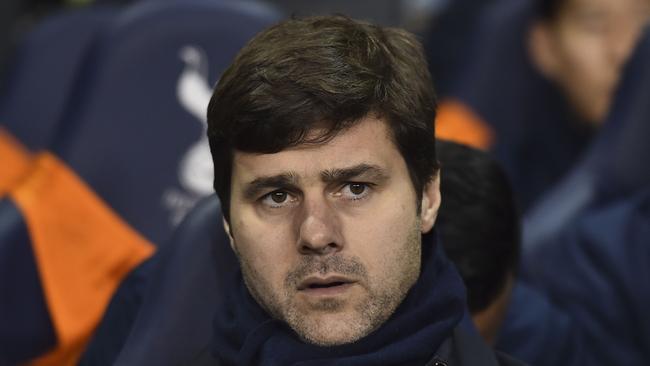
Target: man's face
column 328, row 236
column 588, row 43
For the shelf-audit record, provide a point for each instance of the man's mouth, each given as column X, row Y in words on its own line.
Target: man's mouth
column 329, row 285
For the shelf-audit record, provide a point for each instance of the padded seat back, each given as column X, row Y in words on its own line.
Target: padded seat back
column 43, row 71
column 129, row 158
column 136, row 132
column 175, row 321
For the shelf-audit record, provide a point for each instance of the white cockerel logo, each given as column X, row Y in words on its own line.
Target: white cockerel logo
column 194, row 92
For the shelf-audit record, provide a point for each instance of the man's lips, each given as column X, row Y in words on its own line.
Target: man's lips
column 315, row 283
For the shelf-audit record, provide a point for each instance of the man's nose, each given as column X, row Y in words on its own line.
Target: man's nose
column 319, row 228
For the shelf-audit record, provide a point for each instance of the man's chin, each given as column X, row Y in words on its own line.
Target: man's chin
column 330, row 328
column 328, row 336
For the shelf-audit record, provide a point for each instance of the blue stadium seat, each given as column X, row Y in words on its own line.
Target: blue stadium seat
column 21, row 337
column 43, row 70
column 34, row 95
column 39, row 82
column 136, row 133
column 175, row 322
column 220, row 29
column 128, row 160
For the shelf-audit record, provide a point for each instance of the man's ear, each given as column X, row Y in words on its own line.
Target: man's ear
column 430, row 203
column 541, row 47
column 226, row 227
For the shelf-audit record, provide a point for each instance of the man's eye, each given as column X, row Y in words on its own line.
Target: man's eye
column 355, row 191
column 277, row 199
column 357, row 188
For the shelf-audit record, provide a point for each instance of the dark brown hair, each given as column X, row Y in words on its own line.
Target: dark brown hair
column 327, row 73
column 478, row 221
column 549, row 9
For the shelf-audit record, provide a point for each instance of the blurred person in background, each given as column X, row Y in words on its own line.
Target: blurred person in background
column 539, row 82
column 582, row 46
column 589, row 252
column 479, row 228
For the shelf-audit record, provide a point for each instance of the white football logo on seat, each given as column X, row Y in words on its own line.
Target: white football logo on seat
column 196, row 171
column 194, row 92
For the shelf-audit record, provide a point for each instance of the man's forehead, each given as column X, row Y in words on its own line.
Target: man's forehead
column 366, row 143
column 297, row 166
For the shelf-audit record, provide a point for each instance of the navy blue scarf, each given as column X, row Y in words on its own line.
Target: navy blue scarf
column 245, row 335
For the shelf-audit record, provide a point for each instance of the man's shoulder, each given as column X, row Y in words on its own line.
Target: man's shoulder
column 467, row 348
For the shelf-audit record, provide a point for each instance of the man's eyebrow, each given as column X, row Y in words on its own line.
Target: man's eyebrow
column 257, row 185
column 345, row 174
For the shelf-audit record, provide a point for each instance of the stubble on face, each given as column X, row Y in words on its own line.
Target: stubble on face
column 348, row 320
